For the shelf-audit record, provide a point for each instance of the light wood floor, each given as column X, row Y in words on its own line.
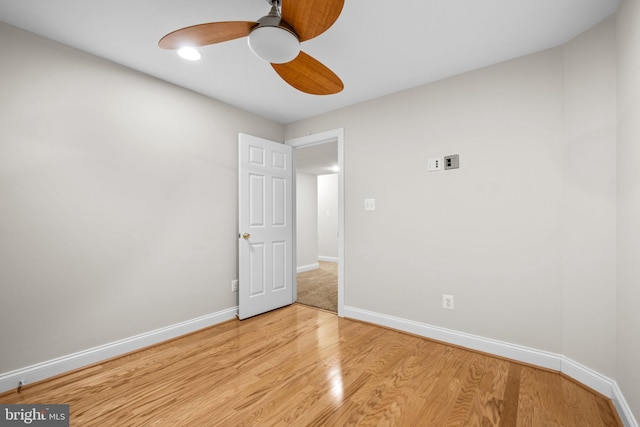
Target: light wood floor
column 305, row 367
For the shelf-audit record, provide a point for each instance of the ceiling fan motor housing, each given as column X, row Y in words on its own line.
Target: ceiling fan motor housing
column 273, row 39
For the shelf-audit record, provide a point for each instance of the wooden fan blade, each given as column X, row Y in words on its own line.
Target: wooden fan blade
column 308, row 75
column 310, row 18
column 204, row 34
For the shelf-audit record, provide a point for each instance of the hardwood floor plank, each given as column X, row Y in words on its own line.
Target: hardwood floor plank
column 304, row 367
column 511, row 396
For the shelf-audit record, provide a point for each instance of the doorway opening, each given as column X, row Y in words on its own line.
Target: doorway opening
column 319, row 220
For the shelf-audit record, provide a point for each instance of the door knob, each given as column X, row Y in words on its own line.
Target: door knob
column 246, row 236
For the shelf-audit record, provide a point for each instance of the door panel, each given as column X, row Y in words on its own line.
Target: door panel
column 265, row 248
column 279, row 266
column 256, row 200
column 279, row 190
column 256, row 272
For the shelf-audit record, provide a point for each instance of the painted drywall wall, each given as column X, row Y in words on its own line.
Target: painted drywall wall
column 506, row 231
column 589, row 199
column 487, row 232
column 628, row 219
column 118, row 213
column 306, row 221
column 328, row 217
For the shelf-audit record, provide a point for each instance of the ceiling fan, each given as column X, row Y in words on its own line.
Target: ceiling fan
column 276, row 38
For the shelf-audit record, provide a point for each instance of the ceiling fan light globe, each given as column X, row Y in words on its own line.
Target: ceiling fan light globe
column 274, row 44
column 189, row 53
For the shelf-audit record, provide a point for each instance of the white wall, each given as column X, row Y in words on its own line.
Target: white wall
column 486, row 233
column 328, row 217
column 628, row 354
column 307, row 221
column 589, row 199
column 118, row 211
column 523, row 233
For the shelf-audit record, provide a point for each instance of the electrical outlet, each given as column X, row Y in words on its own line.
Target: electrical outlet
column 234, row 286
column 369, row 204
column 447, row 302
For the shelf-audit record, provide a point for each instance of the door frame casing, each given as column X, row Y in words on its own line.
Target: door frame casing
column 335, row 135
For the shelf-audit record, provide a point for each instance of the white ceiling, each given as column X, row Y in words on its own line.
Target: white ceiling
column 317, row 159
column 377, row 47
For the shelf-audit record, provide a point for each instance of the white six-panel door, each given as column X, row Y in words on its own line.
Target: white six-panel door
column 265, row 226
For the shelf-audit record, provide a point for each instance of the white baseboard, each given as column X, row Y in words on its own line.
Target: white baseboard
column 626, row 416
column 308, row 267
column 327, row 258
column 544, row 359
column 50, row 368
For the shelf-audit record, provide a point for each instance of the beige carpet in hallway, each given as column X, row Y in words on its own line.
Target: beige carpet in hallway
column 319, row 287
